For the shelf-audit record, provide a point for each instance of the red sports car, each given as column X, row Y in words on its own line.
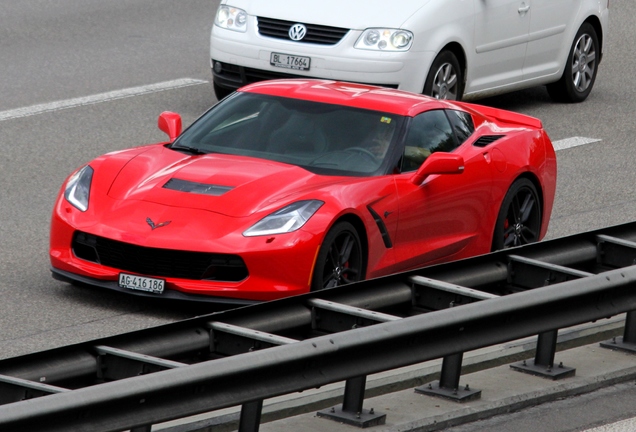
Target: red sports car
column 295, row 185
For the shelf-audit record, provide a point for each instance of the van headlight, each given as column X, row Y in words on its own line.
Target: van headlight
column 231, row 18
column 381, row 39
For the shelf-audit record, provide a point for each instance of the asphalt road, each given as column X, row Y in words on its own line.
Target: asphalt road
column 582, row 413
column 56, row 51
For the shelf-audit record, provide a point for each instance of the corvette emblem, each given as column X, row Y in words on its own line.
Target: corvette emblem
column 297, row 32
column 159, row 225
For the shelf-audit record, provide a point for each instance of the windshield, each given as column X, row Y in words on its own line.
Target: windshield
column 322, row 138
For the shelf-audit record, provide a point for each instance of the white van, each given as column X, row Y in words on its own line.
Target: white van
column 449, row 49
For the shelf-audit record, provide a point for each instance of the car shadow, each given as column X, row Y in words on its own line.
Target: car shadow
column 171, row 309
column 520, row 101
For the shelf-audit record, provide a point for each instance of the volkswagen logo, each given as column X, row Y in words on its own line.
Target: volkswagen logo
column 297, row 32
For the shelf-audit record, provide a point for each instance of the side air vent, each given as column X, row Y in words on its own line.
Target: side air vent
column 386, row 238
column 197, row 188
column 486, row 140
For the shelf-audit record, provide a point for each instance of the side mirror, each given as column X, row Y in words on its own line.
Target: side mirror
column 438, row 163
column 170, row 123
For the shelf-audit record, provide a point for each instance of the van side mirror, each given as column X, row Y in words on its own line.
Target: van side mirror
column 170, row 123
column 438, row 163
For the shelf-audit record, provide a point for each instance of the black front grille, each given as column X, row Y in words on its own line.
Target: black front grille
column 233, row 76
column 316, row 34
column 159, row 262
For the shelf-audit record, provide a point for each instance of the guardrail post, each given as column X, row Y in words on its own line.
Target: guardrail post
column 628, row 341
column 250, row 419
column 448, row 384
column 543, row 364
column 351, row 411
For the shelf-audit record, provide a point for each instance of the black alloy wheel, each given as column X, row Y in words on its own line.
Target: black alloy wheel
column 340, row 260
column 519, row 220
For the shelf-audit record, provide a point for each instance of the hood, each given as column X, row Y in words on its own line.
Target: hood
column 357, row 15
column 234, row 186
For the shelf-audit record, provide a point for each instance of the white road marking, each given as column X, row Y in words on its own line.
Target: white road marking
column 628, row 425
column 97, row 98
column 573, row 142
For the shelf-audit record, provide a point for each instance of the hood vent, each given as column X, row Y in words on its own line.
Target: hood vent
column 197, row 188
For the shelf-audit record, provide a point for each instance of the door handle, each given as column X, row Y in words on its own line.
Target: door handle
column 523, row 8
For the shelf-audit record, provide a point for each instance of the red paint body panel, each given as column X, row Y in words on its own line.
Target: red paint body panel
column 446, row 217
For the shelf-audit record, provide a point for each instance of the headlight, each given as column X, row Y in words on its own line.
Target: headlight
column 231, row 18
column 378, row 39
column 78, row 188
column 285, row 220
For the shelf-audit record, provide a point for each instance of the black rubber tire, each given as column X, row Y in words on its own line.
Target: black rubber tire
column 581, row 68
column 341, row 259
column 519, row 219
column 445, row 79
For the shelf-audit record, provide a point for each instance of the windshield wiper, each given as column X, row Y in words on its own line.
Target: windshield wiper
column 190, row 150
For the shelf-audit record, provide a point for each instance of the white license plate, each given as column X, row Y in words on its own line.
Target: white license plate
column 290, row 61
column 141, row 283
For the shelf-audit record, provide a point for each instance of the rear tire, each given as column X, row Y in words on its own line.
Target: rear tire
column 445, row 79
column 519, row 219
column 580, row 70
column 341, row 258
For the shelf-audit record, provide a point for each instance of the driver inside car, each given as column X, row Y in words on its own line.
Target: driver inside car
column 380, row 137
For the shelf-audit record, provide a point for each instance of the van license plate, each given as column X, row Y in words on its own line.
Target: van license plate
column 288, row 61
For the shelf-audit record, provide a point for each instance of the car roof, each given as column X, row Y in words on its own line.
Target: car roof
column 349, row 94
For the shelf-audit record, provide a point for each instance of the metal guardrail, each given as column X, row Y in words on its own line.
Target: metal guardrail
column 243, row 356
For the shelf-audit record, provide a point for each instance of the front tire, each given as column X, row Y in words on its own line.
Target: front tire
column 445, row 79
column 340, row 260
column 519, row 219
column 580, row 70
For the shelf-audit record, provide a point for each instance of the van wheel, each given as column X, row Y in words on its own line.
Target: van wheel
column 445, row 79
column 580, row 70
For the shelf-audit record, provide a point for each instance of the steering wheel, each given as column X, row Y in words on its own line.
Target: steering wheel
column 333, row 160
column 361, row 150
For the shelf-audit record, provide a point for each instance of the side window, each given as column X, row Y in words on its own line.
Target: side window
column 428, row 132
column 462, row 124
